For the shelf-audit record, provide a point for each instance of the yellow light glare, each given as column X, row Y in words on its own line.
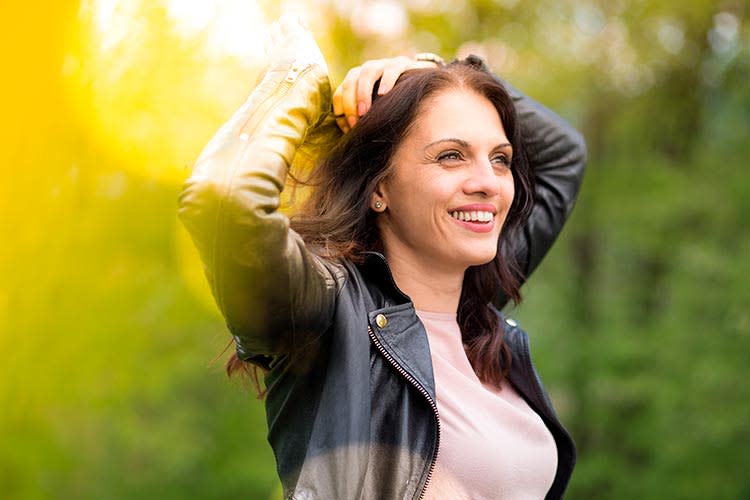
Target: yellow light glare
column 113, row 20
column 153, row 79
column 233, row 27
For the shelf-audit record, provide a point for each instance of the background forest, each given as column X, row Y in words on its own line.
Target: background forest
column 111, row 382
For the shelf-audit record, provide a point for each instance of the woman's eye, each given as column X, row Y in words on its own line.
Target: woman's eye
column 449, row 156
column 501, row 160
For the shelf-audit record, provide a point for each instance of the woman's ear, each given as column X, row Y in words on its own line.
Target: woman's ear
column 377, row 199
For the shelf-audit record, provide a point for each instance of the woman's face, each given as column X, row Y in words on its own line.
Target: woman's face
column 449, row 187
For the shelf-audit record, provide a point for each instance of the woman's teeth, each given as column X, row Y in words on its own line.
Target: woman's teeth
column 473, row 216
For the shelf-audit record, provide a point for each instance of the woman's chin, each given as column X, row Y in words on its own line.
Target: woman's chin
column 481, row 259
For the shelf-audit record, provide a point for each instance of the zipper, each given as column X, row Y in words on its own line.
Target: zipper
column 292, row 75
column 257, row 117
column 422, row 391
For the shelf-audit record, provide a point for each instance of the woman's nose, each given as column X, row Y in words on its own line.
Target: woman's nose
column 482, row 179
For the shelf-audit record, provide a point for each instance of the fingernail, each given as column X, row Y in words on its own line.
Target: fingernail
column 352, row 120
column 361, row 108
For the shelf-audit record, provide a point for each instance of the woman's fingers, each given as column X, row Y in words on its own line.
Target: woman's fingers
column 391, row 71
column 345, row 100
column 353, row 98
column 369, row 73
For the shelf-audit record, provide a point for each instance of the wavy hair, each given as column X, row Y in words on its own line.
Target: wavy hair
column 336, row 220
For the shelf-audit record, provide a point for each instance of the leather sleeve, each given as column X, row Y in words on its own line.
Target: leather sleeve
column 274, row 294
column 557, row 154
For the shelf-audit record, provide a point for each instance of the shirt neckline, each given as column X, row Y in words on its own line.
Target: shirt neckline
column 435, row 315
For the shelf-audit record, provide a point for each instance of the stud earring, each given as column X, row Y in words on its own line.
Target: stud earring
column 378, row 205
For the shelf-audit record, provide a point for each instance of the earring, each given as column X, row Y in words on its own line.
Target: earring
column 378, row 205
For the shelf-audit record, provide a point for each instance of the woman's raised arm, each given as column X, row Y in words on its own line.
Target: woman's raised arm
column 273, row 293
column 557, row 154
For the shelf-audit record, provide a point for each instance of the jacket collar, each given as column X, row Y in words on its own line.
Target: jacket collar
column 399, row 332
column 375, row 267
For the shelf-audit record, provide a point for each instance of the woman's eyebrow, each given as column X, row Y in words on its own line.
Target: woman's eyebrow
column 460, row 142
column 463, row 143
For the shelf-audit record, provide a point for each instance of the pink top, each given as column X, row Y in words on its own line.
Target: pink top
column 492, row 444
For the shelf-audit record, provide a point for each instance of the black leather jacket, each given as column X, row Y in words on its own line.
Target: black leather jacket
column 351, row 403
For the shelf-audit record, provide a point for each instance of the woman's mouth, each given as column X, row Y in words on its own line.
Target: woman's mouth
column 478, row 221
column 480, row 216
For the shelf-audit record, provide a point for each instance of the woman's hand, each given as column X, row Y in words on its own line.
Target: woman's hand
column 353, row 97
column 290, row 41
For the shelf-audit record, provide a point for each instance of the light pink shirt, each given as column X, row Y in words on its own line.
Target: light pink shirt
column 492, row 444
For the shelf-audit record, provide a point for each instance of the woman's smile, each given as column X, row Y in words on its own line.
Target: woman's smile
column 479, row 218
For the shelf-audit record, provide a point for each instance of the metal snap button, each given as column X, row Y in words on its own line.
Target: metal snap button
column 511, row 322
column 381, row 321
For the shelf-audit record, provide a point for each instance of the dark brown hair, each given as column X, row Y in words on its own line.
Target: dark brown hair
column 336, row 220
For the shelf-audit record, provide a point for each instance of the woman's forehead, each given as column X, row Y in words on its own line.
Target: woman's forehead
column 458, row 113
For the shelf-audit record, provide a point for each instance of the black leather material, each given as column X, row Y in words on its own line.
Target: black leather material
column 557, row 153
column 350, row 401
column 525, row 379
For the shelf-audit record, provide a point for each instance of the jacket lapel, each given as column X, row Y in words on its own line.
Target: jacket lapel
column 400, row 333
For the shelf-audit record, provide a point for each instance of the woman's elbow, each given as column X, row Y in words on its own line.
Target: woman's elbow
column 198, row 201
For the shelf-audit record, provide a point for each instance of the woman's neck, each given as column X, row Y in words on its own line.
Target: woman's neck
column 429, row 288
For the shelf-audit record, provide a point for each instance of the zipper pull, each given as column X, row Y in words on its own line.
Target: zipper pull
column 295, row 70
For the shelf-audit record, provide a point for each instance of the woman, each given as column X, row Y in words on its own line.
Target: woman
column 389, row 373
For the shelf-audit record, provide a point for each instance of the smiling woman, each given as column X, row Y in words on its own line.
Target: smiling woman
column 373, row 312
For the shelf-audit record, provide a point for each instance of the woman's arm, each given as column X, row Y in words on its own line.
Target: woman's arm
column 273, row 293
column 557, row 154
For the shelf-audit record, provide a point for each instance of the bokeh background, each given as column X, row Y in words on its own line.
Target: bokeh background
column 111, row 382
